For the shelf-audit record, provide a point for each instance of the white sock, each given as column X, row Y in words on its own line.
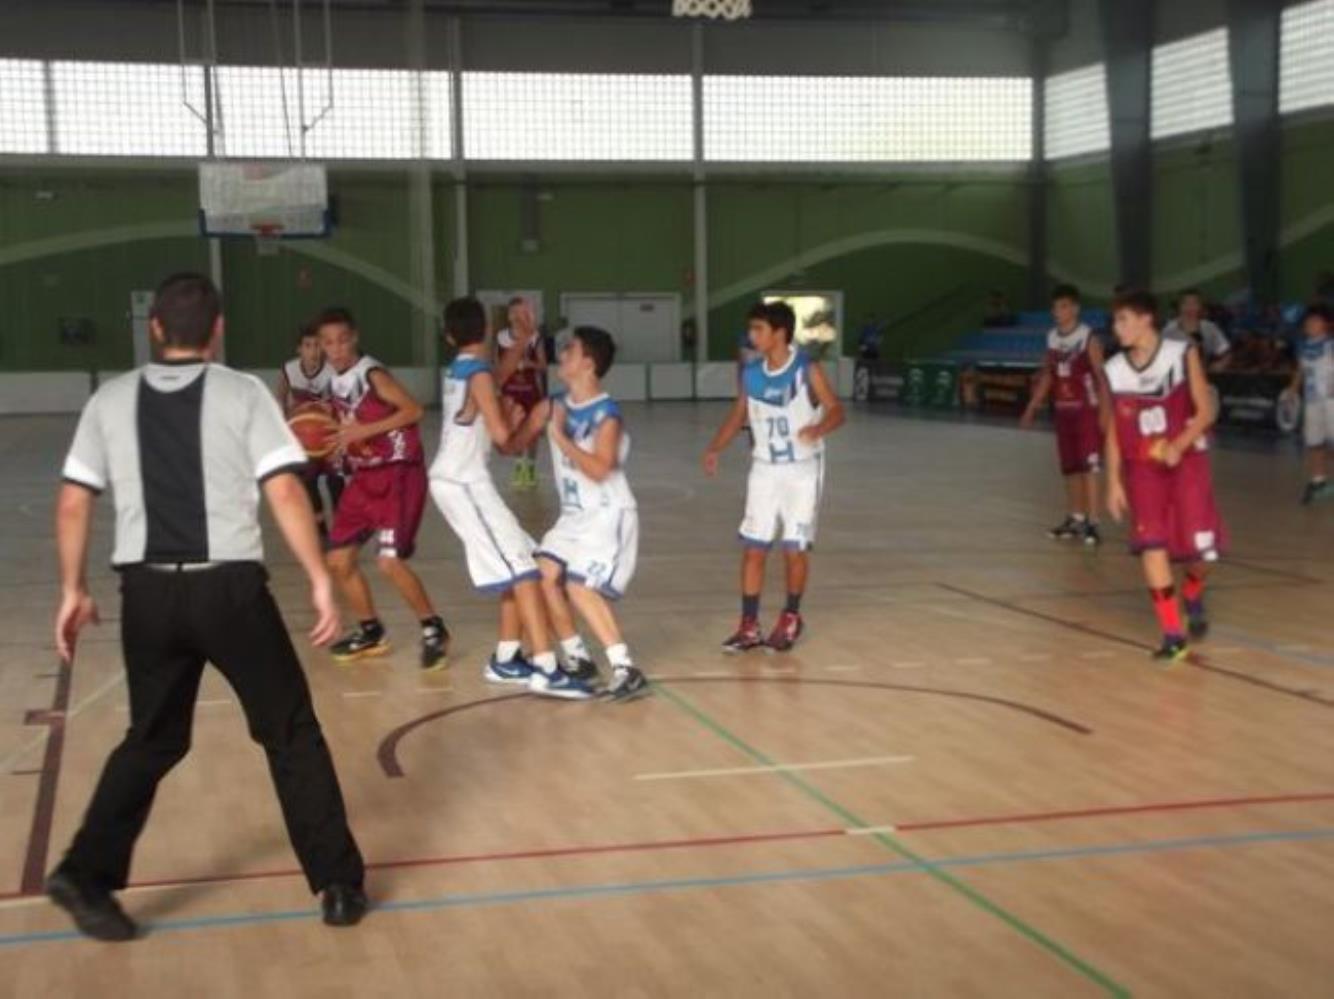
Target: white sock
column 574, row 648
column 1079, row 518
column 619, row 656
column 546, row 662
column 506, row 651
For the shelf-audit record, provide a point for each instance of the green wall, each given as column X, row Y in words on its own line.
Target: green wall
column 1196, row 221
column 921, row 249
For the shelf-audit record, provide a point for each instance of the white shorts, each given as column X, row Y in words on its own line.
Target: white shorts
column 499, row 551
column 1318, row 422
column 597, row 548
column 783, row 504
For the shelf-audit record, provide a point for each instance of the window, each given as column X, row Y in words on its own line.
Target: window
column 1306, row 56
column 128, row 109
column 22, row 107
column 866, row 119
column 585, row 116
column 1076, row 112
column 349, row 113
column 1191, row 85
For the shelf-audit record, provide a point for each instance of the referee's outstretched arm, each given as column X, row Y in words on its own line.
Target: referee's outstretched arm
column 290, row 503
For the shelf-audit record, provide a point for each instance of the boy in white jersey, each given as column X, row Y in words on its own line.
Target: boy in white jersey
column 791, row 409
column 1314, row 378
column 589, row 556
column 305, row 381
column 499, row 551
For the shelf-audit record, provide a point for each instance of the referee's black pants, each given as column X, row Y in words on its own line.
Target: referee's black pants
column 171, row 624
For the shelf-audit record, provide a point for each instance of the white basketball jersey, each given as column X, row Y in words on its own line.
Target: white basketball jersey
column 577, row 491
column 465, row 444
column 781, row 404
column 308, row 388
column 1317, row 360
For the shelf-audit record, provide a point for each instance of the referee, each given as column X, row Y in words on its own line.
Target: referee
column 186, row 447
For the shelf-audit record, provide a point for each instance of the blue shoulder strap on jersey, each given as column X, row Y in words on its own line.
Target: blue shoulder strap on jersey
column 463, row 367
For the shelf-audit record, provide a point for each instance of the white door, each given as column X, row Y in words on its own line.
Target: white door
column 646, row 327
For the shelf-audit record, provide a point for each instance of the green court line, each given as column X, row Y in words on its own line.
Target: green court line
column 1089, row 971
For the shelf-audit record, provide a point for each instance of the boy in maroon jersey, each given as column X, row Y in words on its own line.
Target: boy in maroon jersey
column 385, row 495
column 1158, row 464
column 303, row 382
column 1072, row 370
column 521, row 374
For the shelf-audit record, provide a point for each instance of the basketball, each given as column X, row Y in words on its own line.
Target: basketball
column 314, row 428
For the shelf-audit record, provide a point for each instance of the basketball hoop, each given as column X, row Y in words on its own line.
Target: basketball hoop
column 267, row 236
column 727, row 10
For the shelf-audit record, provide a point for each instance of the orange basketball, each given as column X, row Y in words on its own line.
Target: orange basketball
column 314, row 428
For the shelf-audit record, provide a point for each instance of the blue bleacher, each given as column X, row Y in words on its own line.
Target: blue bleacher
column 1022, row 343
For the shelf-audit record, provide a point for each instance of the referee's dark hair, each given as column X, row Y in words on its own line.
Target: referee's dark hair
column 186, row 306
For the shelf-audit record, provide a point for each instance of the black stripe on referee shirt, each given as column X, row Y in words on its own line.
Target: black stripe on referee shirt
column 171, row 466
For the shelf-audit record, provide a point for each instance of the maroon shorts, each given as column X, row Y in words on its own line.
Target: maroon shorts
column 1078, row 441
column 385, row 502
column 1173, row 509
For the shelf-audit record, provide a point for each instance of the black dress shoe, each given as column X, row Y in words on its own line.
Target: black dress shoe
column 96, row 914
column 343, row 905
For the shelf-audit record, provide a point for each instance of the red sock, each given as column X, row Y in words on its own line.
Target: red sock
column 1193, row 588
column 1165, row 606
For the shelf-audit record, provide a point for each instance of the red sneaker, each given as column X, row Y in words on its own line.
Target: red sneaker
column 746, row 638
column 786, row 631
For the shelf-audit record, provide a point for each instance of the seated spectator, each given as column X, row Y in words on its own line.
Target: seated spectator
column 1191, row 324
column 1324, row 288
column 998, row 311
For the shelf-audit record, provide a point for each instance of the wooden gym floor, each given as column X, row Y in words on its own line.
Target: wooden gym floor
column 969, row 779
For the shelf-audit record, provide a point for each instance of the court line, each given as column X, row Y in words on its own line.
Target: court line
column 1194, row 660
column 741, row 839
column 111, row 683
column 797, row 875
column 387, row 752
column 44, row 807
column 1069, row 958
column 779, row 768
column 1302, row 655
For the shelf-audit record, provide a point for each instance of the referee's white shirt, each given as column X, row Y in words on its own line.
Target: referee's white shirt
column 184, row 447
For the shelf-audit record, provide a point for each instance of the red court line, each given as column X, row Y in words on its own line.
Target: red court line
column 745, row 838
column 1088, row 813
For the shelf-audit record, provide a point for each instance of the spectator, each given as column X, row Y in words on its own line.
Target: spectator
column 868, row 338
column 998, row 311
column 1324, row 288
column 1190, row 323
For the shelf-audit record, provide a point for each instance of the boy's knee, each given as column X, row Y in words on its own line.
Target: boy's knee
column 390, row 565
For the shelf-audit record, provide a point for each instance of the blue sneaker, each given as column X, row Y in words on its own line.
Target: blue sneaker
column 517, row 672
column 560, row 684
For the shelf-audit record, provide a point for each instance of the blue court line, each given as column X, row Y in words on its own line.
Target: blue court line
column 1273, row 648
column 480, row 899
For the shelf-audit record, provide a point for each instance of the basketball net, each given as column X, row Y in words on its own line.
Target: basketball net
column 267, row 237
column 727, row 10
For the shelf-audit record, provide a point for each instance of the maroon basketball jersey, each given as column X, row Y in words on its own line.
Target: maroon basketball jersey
column 356, row 401
column 1151, row 405
column 1073, row 387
